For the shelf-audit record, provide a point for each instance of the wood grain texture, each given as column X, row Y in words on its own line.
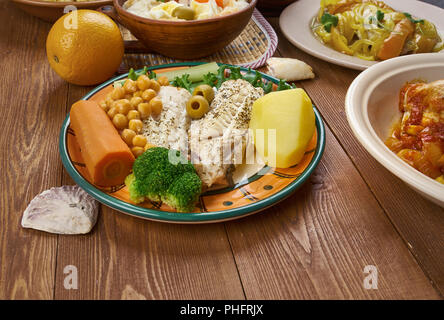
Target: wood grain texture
column 31, row 96
column 316, row 244
column 129, row 258
column 125, row 257
column 157, row 261
column 351, row 212
column 419, row 221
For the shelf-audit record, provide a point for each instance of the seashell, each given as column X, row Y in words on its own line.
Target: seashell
column 62, row 210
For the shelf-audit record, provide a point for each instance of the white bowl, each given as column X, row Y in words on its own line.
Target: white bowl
column 372, row 108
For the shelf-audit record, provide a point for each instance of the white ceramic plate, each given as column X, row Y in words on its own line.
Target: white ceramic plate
column 296, row 19
column 372, row 107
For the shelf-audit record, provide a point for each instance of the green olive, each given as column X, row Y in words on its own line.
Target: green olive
column 185, row 13
column 197, row 106
column 205, row 91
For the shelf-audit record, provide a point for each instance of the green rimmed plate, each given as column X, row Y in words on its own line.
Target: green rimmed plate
column 258, row 193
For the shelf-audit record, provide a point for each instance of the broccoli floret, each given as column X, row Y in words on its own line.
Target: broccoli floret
column 133, row 187
column 165, row 175
column 151, row 160
column 184, row 192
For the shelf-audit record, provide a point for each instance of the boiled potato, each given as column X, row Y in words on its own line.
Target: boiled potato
column 291, row 114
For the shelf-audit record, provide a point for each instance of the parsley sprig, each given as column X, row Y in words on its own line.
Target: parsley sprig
column 253, row 77
column 378, row 18
column 133, row 75
column 409, row 16
column 183, row 82
column 329, row 20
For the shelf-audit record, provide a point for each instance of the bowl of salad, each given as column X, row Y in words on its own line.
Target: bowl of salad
column 184, row 29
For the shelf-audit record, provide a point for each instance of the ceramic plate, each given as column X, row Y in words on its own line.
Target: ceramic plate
column 295, row 22
column 372, row 109
column 259, row 192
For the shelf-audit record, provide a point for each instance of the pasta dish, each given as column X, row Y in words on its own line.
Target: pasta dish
column 371, row 30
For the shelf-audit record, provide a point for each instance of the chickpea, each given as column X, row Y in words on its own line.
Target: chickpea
column 112, row 112
column 104, row 106
column 137, row 151
column 118, row 93
column 113, row 104
column 109, row 100
column 148, row 94
column 135, row 101
column 144, row 110
column 139, row 141
column 155, row 86
column 127, row 136
column 156, row 106
column 138, row 93
column 120, row 121
column 143, row 82
column 163, row 81
column 130, row 86
column 136, row 125
column 133, row 114
column 123, row 106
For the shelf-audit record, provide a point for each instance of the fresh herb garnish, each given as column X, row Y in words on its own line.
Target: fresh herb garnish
column 409, row 16
column 210, row 79
column 152, row 75
column 329, row 20
column 378, row 19
column 133, row 75
column 216, row 80
column 284, row 86
column 254, row 78
column 379, row 15
column 235, row 73
column 225, row 73
column 183, row 82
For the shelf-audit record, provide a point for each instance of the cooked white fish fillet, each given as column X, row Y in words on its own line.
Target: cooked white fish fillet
column 252, row 162
column 217, row 140
column 289, row 69
column 170, row 129
column 230, row 109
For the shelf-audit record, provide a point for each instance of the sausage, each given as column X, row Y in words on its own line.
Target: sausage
column 393, row 45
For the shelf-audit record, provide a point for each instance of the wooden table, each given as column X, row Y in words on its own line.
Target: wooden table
column 315, row 245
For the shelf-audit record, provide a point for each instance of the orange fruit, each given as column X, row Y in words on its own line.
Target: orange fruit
column 84, row 47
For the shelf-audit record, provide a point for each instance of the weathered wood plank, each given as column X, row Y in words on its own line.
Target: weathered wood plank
column 316, row 244
column 31, row 96
column 419, row 221
column 129, row 258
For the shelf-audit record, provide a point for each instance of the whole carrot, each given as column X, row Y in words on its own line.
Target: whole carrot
column 107, row 157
